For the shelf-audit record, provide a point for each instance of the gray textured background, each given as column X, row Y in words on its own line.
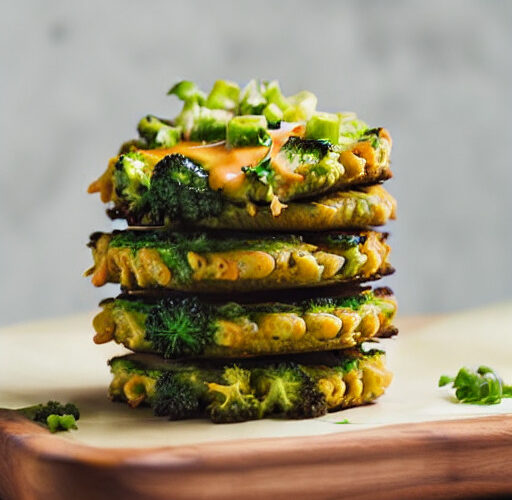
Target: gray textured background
column 77, row 76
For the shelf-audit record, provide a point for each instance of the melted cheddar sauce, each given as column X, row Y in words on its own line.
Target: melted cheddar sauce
column 225, row 165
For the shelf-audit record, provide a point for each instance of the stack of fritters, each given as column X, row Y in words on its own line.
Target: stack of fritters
column 250, row 221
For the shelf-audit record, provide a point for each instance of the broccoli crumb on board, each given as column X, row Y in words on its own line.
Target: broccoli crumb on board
column 53, row 415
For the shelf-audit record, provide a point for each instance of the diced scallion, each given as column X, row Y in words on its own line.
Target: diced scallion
column 274, row 95
column 188, row 92
column 157, row 133
column 302, row 107
column 252, row 101
column 248, row 130
column 324, row 126
column 224, row 95
column 273, row 113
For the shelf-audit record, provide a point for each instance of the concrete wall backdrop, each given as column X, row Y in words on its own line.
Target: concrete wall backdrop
column 75, row 77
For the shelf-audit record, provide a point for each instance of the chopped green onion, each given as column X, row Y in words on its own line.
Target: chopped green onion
column 224, row 95
column 248, row 130
column 324, row 126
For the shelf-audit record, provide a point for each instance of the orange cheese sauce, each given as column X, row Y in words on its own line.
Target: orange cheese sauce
column 225, row 165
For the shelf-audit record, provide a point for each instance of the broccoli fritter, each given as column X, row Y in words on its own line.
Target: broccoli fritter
column 206, row 262
column 302, row 387
column 255, row 147
column 191, row 326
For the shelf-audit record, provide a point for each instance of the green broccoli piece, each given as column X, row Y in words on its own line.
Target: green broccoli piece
column 179, row 326
column 344, row 241
column 179, row 189
column 317, row 159
column 482, row 386
column 53, row 415
column 321, row 304
column 233, row 400
column 61, row 423
column 304, row 151
column 176, row 397
column 132, row 178
column 157, row 133
column 287, row 389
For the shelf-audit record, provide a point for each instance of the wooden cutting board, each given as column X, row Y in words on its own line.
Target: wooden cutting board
column 414, row 443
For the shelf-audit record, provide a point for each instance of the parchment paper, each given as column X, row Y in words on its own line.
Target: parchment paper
column 56, row 359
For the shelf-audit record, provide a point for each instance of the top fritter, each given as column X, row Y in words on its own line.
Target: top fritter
column 237, row 155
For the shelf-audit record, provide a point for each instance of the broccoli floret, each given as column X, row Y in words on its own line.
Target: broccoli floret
column 61, row 422
column 54, row 415
column 175, row 397
column 344, row 241
column 157, row 133
column 317, row 159
column 179, row 327
column 286, row 389
column 305, row 150
column 179, row 189
column 132, row 178
column 354, row 302
column 233, row 400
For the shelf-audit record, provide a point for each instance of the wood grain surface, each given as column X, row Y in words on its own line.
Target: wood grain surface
column 450, row 459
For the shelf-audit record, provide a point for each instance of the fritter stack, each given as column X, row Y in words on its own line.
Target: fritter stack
column 249, row 236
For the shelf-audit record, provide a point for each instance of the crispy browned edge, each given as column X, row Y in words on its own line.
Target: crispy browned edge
column 122, row 211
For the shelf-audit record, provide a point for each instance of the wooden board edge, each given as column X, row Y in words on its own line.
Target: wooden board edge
column 460, row 458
